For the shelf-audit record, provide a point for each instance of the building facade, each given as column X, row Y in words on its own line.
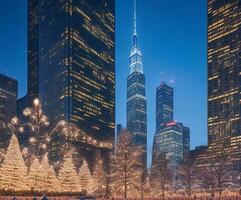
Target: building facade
column 164, row 105
column 8, row 98
column 75, row 74
column 170, row 139
column 33, row 50
column 22, row 103
column 136, row 96
column 224, row 46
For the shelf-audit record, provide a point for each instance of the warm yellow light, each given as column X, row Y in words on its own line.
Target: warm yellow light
column 36, row 102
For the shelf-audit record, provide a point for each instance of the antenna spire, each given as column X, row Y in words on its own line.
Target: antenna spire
column 135, row 33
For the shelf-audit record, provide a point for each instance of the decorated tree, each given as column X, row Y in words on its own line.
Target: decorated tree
column 219, row 165
column 126, row 168
column 13, row 170
column 68, row 178
column 146, row 188
column 36, row 127
column 161, row 176
column 37, row 176
column 85, row 178
column 99, row 178
column 186, row 175
column 51, row 182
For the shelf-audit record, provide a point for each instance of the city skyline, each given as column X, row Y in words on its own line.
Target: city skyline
column 177, row 67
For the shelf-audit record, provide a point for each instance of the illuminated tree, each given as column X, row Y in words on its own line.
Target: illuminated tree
column 68, row 178
column 85, row 177
column 161, row 175
column 99, row 178
column 51, row 182
column 38, row 138
column 126, row 168
column 146, row 188
column 37, row 176
column 220, row 166
column 186, row 175
column 13, row 170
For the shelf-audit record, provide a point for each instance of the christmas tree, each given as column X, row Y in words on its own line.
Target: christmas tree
column 85, row 177
column 13, row 170
column 51, row 182
column 68, row 177
column 99, row 178
column 126, row 168
column 37, row 176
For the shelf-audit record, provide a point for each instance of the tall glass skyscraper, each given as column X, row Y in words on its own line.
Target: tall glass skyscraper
column 8, row 101
column 224, row 72
column 72, row 62
column 164, row 105
column 136, row 96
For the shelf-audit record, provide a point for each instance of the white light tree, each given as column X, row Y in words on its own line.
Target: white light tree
column 51, row 182
column 99, row 178
column 13, row 170
column 37, row 176
column 68, row 177
column 126, row 168
column 85, row 178
column 38, row 137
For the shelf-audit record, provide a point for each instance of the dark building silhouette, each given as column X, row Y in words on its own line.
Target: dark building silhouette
column 119, row 129
column 224, row 108
column 136, row 96
column 8, row 98
column 22, row 103
column 72, row 63
column 33, row 50
column 164, row 105
column 186, row 141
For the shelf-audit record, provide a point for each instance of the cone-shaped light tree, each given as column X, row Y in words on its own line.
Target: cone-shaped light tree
column 68, row 178
column 36, row 176
column 85, row 178
column 13, row 170
column 51, row 182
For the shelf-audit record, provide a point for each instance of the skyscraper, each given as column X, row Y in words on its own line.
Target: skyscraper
column 172, row 139
column 224, row 46
column 136, row 97
column 164, row 105
column 33, row 50
column 72, row 63
column 8, row 98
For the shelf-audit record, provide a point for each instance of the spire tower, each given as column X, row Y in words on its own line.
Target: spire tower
column 136, row 97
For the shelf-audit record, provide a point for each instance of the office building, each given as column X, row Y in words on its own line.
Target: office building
column 164, row 105
column 170, row 139
column 8, row 98
column 72, row 63
column 224, row 111
column 136, row 96
column 22, row 103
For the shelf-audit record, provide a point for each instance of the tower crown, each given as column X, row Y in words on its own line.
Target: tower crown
column 135, row 64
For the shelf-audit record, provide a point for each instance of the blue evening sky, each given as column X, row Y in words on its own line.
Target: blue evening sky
column 172, row 36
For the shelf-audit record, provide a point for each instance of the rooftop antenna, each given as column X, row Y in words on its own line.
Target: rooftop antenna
column 135, row 33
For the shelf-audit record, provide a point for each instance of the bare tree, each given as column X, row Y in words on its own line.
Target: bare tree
column 160, row 172
column 186, row 174
column 220, row 165
column 126, row 168
column 206, row 181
